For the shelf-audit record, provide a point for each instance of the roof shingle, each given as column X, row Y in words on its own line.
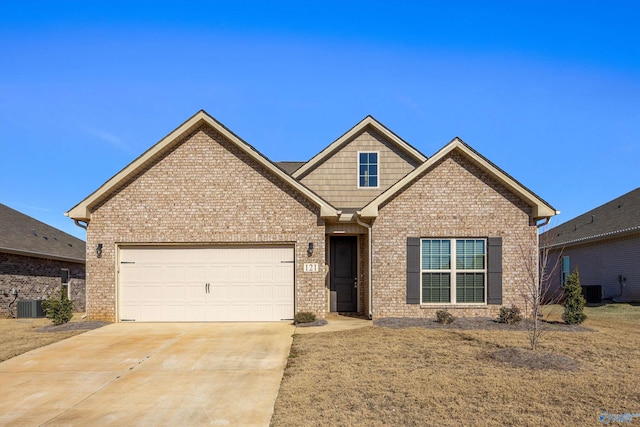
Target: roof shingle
column 24, row 235
column 618, row 216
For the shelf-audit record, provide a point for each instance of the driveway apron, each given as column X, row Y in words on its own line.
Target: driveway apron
column 150, row 374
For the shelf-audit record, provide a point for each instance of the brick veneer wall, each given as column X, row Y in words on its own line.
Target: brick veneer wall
column 206, row 190
column 601, row 263
column 455, row 198
column 37, row 278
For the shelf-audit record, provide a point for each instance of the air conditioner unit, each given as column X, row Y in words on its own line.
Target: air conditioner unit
column 592, row 293
column 30, row 308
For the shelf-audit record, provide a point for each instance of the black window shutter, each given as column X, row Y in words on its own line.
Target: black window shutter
column 494, row 270
column 413, row 270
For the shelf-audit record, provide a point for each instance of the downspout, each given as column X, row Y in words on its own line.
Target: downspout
column 77, row 222
column 542, row 224
column 368, row 227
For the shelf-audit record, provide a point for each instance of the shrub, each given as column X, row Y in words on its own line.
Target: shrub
column 510, row 316
column 574, row 301
column 58, row 307
column 304, row 317
column 444, row 317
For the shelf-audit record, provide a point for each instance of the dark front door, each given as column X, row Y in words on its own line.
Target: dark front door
column 343, row 270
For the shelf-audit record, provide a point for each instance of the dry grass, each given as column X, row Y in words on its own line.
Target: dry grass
column 18, row 336
column 394, row 377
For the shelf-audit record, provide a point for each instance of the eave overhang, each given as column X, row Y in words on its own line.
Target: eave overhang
column 82, row 211
column 540, row 208
column 368, row 121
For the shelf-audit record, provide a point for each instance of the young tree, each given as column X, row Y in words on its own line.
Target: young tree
column 540, row 267
column 574, row 300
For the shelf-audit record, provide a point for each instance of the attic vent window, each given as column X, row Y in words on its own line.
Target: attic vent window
column 368, row 169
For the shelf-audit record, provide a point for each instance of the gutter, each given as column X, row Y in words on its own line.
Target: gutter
column 601, row 236
column 77, row 221
column 42, row 255
column 368, row 227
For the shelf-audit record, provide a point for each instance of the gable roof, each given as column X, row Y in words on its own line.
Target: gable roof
column 22, row 235
column 82, row 211
column 289, row 167
column 368, row 121
column 617, row 217
column 541, row 209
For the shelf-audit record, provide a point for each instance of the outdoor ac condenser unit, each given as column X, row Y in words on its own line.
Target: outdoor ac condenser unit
column 30, row 308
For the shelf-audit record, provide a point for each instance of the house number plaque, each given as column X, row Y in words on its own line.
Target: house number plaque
column 311, row 267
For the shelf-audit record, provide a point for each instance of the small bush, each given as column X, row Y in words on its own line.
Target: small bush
column 58, row 307
column 444, row 317
column 304, row 317
column 574, row 301
column 510, row 316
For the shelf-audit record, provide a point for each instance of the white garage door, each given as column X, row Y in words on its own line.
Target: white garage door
column 230, row 283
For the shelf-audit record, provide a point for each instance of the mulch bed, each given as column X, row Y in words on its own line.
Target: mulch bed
column 472, row 323
column 73, row 326
column 318, row 322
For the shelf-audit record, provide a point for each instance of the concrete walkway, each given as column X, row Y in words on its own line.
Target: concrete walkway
column 150, row 374
column 336, row 322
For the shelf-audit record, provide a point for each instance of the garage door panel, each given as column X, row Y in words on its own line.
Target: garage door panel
column 239, row 292
column 262, row 273
column 218, row 312
column 169, row 283
column 172, row 292
column 237, row 273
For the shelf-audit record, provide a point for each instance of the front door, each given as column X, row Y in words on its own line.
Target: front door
column 343, row 270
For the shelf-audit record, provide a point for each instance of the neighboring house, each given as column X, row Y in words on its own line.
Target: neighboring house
column 36, row 259
column 604, row 245
column 202, row 226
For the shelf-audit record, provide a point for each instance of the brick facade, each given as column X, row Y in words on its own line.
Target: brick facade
column 37, row 278
column 206, row 190
column 200, row 187
column 455, row 198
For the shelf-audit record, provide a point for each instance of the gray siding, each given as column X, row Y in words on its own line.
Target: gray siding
column 601, row 263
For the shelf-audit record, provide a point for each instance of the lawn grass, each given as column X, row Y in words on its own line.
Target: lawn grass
column 395, row 377
column 18, row 336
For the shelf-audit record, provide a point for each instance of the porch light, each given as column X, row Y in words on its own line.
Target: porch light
column 99, row 250
column 310, row 249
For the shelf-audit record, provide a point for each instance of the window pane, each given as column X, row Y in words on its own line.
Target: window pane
column 436, row 287
column 470, row 287
column 436, row 254
column 368, row 169
column 470, row 254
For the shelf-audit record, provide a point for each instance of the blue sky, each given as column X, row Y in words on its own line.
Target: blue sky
column 547, row 90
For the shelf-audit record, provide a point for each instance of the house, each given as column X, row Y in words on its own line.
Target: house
column 35, row 260
column 202, row 227
column 604, row 245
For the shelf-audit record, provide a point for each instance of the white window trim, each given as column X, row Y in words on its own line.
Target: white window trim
column 67, row 284
column 358, row 169
column 564, row 275
column 452, row 271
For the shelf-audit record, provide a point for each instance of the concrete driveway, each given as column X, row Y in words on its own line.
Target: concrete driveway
column 150, row 374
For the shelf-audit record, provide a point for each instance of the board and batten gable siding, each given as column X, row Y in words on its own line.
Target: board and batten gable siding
column 205, row 190
column 336, row 179
column 455, row 198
